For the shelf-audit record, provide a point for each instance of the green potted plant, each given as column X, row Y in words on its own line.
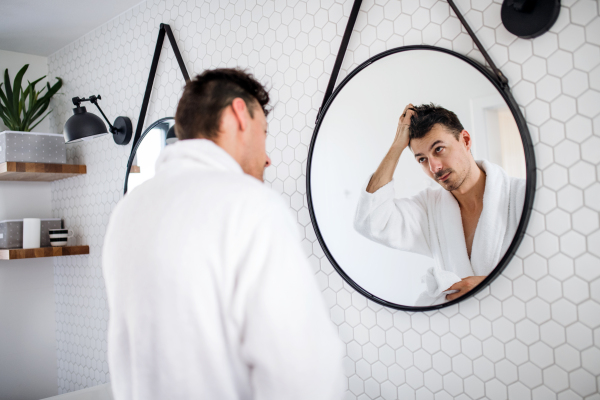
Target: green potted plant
column 22, row 110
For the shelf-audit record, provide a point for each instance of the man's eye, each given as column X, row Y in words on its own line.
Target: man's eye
column 439, row 149
column 421, row 159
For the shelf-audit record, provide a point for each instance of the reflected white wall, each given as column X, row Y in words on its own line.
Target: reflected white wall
column 146, row 157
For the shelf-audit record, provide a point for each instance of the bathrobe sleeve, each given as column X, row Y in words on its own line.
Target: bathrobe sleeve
column 398, row 223
column 288, row 339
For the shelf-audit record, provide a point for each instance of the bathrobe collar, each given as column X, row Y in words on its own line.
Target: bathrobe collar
column 490, row 230
column 493, row 221
column 202, row 153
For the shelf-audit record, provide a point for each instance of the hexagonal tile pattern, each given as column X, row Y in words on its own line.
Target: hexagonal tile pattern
column 533, row 334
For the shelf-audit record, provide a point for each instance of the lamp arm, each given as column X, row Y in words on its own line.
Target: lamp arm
column 94, row 100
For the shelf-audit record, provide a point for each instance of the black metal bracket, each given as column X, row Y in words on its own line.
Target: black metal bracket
column 94, row 101
column 502, row 80
column 164, row 29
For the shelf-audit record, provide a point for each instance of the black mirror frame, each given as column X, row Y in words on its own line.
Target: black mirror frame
column 530, row 184
column 137, row 145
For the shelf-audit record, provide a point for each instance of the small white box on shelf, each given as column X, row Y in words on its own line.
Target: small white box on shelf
column 11, row 232
column 32, row 147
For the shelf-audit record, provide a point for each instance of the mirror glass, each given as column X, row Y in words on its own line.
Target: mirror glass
column 156, row 137
column 405, row 243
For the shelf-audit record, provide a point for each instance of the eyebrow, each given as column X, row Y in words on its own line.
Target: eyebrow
column 430, row 147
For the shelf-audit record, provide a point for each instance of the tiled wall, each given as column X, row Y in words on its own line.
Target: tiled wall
column 534, row 333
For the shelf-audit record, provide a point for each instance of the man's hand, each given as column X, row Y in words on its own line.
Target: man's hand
column 464, row 286
column 402, row 137
column 385, row 171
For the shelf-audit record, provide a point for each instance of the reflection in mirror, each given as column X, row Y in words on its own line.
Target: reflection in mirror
column 158, row 135
column 448, row 216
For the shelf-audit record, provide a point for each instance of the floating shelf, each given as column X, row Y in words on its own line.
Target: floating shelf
column 16, row 254
column 24, row 171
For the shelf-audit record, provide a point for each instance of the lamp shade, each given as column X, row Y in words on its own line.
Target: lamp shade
column 83, row 125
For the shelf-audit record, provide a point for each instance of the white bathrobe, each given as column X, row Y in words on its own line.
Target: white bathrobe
column 430, row 224
column 210, row 294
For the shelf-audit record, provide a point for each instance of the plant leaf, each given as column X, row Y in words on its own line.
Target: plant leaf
column 9, row 111
column 3, row 114
column 29, row 100
column 39, row 111
column 21, row 101
column 37, row 123
column 53, row 90
column 43, row 102
column 5, row 119
column 17, row 83
column 31, row 94
column 36, row 81
column 24, row 108
column 9, row 93
column 31, row 109
column 34, row 105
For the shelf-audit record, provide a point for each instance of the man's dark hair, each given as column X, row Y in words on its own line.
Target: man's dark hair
column 208, row 94
column 427, row 115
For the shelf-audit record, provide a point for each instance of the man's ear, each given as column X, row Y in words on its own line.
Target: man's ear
column 466, row 138
column 240, row 111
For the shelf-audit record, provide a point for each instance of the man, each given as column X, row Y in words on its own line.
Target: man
column 210, row 294
column 466, row 225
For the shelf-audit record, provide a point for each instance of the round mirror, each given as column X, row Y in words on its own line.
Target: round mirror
column 409, row 241
column 143, row 157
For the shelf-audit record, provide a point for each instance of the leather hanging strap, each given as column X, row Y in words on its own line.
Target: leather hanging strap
column 503, row 80
column 167, row 29
column 164, row 28
column 340, row 56
column 346, row 38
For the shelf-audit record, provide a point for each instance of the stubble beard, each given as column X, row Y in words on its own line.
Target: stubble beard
column 452, row 184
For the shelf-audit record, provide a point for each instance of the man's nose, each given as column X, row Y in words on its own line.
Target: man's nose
column 268, row 161
column 435, row 166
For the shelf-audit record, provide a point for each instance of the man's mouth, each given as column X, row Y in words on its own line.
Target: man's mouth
column 445, row 177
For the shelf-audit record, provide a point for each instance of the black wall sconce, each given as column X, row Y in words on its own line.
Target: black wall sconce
column 83, row 125
column 529, row 19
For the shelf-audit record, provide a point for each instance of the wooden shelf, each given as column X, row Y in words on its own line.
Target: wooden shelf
column 23, row 171
column 135, row 169
column 16, row 254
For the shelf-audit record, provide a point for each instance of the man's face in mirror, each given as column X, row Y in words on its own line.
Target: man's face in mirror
column 443, row 157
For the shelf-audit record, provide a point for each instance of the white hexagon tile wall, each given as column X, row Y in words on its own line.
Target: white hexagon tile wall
column 533, row 334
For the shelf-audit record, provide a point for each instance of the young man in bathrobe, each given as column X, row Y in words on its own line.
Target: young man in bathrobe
column 466, row 225
column 209, row 291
